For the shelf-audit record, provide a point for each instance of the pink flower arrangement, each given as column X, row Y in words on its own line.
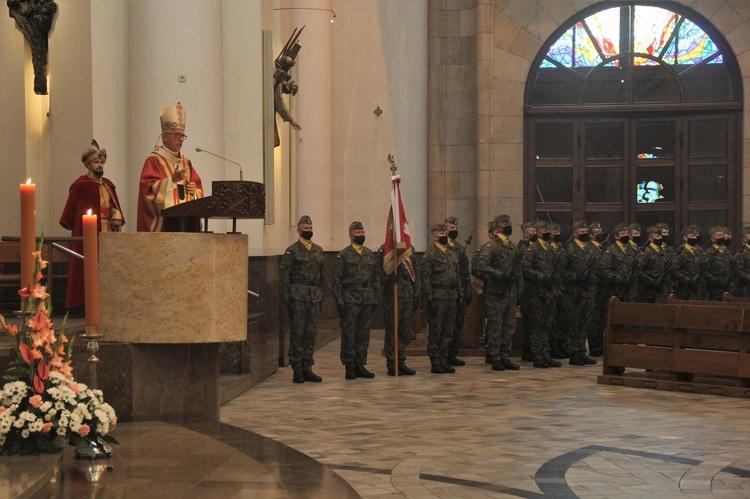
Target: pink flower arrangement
column 45, row 401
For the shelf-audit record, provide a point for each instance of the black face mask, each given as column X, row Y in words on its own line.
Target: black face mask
column 583, row 237
column 557, row 238
column 720, row 241
column 727, row 242
column 692, row 241
column 546, row 236
column 657, row 241
column 306, row 234
column 359, row 240
column 625, row 239
column 453, row 234
column 601, row 237
column 533, row 238
column 443, row 240
column 637, row 239
column 508, row 230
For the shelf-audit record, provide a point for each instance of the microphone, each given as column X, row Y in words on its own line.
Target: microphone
column 198, row 149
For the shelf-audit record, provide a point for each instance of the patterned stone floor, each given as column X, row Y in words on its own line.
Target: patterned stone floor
column 478, row 433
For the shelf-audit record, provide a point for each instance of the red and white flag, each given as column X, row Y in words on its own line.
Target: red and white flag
column 398, row 241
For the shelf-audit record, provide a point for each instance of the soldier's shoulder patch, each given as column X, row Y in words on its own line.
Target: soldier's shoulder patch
column 528, row 250
column 288, row 252
column 606, row 251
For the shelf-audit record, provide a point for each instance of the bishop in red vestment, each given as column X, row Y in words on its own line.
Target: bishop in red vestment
column 168, row 177
column 89, row 192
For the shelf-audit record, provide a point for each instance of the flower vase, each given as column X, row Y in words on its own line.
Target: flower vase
column 93, row 448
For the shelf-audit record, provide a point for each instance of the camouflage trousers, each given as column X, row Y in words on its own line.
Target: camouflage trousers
column 404, row 329
column 501, row 324
column 355, row 333
column 538, row 311
column 303, row 329
column 595, row 328
column 575, row 310
column 457, row 328
column 441, row 323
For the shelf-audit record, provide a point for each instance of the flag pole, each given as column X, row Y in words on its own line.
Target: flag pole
column 395, row 274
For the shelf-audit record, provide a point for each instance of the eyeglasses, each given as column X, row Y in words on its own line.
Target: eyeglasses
column 178, row 135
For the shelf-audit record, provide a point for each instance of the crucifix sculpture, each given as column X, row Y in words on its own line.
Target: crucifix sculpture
column 34, row 19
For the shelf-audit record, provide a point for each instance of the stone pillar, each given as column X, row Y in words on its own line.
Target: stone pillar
column 167, row 39
column 452, row 111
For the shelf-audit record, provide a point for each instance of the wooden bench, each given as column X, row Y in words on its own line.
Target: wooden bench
column 697, row 347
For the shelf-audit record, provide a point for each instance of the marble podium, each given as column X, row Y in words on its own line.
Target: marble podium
column 174, row 297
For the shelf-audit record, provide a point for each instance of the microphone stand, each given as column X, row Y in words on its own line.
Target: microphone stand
column 198, row 149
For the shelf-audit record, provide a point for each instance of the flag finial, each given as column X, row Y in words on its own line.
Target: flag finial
column 392, row 161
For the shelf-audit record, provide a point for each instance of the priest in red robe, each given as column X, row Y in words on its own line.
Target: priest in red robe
column 168, row 177
column 89, row 192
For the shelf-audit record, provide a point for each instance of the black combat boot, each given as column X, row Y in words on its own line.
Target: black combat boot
column 497, row 365
column 586, row 359
column 540, row 362
column 552, row 362
column 406, row 370
column 455, row 361
column 510, row 365
column 576, row 360
column 437, row 367
column 362, row 372
column 299, row 376
column 350, row 371
column 447, row 367
column 311, row 376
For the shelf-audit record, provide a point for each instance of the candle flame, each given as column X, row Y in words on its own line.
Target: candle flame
column 88, row 212
column 28, row 181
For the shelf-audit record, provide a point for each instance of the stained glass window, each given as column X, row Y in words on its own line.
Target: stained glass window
column 665, row 36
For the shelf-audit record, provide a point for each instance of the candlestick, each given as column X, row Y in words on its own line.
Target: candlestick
column 28, row 233
column 91, row 272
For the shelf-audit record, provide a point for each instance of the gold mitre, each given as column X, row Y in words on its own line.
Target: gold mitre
column 173, row 117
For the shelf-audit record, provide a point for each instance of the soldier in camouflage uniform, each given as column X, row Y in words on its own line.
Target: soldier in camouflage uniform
column 635, row 248
column 528, row 237
column 556, row 335
column 356, row 282
column 686, row 274
column 538, row 304
column 501, row 272
column 719, row 265
column 440, row 283
column 407, row 278
column 464, row 298
column 618, row 265
column 654, row 276
column 577, row 272
column 665, row 237
column 478, row 283
column 302, row 279
column 742, row 272
column 599, row 238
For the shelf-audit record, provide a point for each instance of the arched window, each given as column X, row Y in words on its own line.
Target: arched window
column 633, row 114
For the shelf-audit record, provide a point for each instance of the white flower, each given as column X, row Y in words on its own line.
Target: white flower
column 25, row 433
column 45, row 406
column 18, row 423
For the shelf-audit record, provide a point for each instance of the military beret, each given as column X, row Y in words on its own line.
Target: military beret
column 654, row 230
column 595, row 225
column 502, row 219
column 356, row 226
column 714, row 229
column 438, row 228
column 527, row 225
column 662, row 225
column 727, row 231
column 451, row 220
column 619, row 228
column 541, row 225
column 691, row 229
column 581, row 224
column 304, row 219
column 554, row 226
column 634, row 227
column 491, row 225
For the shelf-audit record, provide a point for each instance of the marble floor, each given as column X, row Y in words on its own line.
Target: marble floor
column 479, row 433
column 473, row 434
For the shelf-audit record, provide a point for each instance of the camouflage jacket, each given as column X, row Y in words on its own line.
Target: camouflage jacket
column 500, row 269
column 439, row 274
column 302, row 273
column 356, row 277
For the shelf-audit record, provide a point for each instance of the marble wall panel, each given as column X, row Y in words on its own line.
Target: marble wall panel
column 506, row 31
column 460, row 50
column 726, row 18
column 526, row 45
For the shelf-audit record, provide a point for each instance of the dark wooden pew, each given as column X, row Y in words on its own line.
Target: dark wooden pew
column 699, row 347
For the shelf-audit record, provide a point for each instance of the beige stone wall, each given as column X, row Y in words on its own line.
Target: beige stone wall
column 488, row 150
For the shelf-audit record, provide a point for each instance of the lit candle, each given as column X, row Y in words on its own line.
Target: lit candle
column 91, row 272
column 28, row 233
